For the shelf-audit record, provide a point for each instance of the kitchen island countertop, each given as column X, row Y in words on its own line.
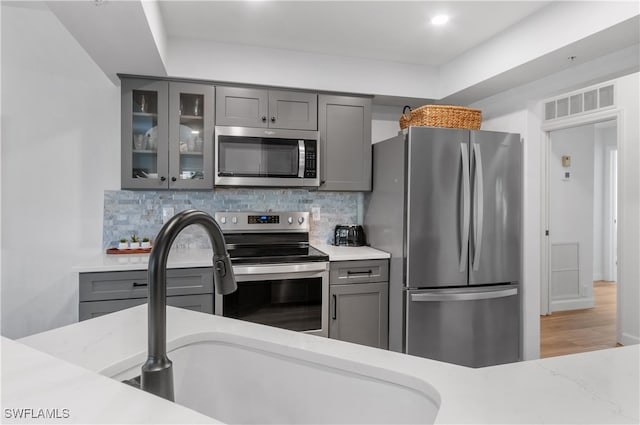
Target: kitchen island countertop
column 595, row 387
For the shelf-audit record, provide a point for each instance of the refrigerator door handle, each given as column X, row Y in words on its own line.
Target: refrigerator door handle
column 466, row 206
column 465, row 296
column 478, row 207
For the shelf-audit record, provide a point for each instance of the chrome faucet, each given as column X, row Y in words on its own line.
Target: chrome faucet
column 157, row 373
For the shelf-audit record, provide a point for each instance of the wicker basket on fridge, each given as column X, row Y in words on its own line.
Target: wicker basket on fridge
column 441, row 116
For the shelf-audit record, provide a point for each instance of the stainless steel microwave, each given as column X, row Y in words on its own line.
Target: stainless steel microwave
column 266, row 157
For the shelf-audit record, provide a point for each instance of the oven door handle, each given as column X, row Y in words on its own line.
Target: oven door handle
column 302, row 268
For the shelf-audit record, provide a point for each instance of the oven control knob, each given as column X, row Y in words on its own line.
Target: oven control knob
column 290, row 220
column 223, row 220
column 300, row 220
column 234, row 219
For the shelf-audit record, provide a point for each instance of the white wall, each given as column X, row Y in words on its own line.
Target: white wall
column 598, row 205
column 571, row 215
column 60, row 151
column 277, row 67
column 628, row 91
column 526, row 120
column 385, row 122
column 605, row 141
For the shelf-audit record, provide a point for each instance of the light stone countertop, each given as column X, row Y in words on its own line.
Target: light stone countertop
column 187, row 258
column 38, row 388
column 348, row 253
column 596, row 387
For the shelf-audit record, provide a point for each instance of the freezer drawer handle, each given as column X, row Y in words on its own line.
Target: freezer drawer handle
column 137, row 285
column 464, row 296
column 349, row 272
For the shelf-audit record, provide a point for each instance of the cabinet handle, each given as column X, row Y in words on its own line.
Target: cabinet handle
column 163, row 178
column 335, row 307
column 349, row 272
column 173, row 179
column 139, row 285
column 273, row 119
column 264, row 119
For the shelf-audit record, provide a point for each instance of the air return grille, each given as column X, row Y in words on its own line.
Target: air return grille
column 583, row 101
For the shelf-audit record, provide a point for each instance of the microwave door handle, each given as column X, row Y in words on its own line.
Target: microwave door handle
column 301, row 158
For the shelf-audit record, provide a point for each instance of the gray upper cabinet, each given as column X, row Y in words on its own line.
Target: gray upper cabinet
column 191, row 124
column 294, row 110
column 344, row 124
column 247, row 107
column 145, row 134
column 241, row 107
column 167, row 135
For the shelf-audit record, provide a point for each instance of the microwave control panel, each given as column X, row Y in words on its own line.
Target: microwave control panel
column 311, row 159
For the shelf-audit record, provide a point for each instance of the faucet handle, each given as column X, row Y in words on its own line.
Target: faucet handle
column 223, row 277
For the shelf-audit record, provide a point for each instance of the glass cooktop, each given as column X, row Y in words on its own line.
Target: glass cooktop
column 265, row 254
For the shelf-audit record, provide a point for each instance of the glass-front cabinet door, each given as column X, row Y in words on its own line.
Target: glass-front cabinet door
column 167, row 135
column 144, row 134
column 191, row 112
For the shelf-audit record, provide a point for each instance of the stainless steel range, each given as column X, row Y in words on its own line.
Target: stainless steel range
column 282, row 280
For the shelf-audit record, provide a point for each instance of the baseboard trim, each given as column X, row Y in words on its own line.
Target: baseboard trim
column 572, row 304
column 628, row 339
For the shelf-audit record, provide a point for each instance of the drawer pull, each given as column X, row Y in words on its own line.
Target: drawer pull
column 349, row 272
column 139, row 285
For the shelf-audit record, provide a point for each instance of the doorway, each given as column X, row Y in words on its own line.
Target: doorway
column 581, row 246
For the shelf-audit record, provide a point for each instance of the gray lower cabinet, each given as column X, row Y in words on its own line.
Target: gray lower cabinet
column 250, row 107
column 344, row 124
column 201, row 303
column 359, row 302
column 107, row 292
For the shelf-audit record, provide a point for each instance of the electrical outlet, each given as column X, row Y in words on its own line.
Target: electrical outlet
column 315, row 213
column 167, row 213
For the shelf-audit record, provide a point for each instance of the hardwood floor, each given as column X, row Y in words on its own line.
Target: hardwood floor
column 577, row 331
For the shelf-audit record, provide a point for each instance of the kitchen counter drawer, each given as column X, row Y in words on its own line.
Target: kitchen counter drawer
column 133, row 284
column 366, row 271
column 91, row 309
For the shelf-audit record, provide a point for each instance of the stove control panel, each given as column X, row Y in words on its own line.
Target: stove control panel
column 264, row 219
column 240, row 221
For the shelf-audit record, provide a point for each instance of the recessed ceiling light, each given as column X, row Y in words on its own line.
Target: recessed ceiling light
column 440, row 20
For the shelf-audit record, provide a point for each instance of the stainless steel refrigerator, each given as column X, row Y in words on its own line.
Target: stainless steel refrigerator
column 446, row 203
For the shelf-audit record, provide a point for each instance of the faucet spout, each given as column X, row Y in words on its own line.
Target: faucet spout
column 157, row 373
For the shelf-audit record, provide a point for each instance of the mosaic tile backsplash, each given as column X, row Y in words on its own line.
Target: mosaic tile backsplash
column 140, row 212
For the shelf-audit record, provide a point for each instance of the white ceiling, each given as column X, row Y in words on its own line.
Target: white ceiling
column 383, row 48
column 397, row 31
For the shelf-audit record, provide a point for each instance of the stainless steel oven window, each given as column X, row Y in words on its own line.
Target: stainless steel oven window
column 289, row 296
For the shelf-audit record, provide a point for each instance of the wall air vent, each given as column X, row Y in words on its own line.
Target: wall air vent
column 587, row 100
